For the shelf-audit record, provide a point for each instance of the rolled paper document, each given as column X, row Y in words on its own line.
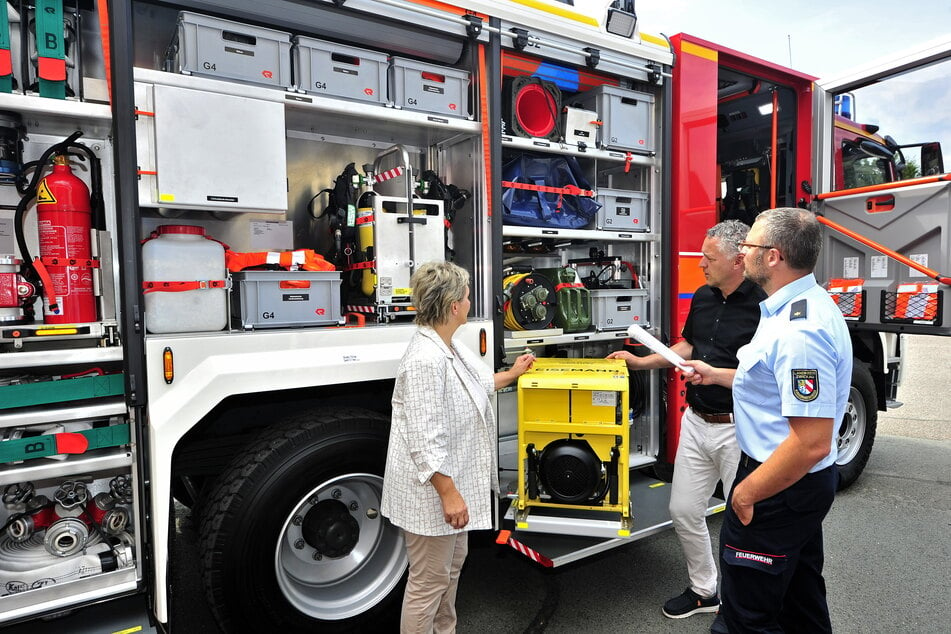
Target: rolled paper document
column 652, row 342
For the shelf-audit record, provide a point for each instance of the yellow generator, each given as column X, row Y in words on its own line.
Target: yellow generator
column 573, row 439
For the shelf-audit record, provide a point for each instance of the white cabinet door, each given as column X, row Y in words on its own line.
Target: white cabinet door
column 215, row 151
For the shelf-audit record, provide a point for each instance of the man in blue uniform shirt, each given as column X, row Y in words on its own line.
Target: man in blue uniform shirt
column 790, row 389
column 723, row 316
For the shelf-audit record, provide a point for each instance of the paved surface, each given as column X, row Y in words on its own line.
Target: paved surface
column 887, row 546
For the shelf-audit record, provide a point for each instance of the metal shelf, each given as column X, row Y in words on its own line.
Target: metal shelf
column 514, row 344
column 334, row 118
column 511, row 231
column 47, row 469
column 63, row 595
column 570, row 149
column 68, row 356
column 59, row 116
column 53, row 413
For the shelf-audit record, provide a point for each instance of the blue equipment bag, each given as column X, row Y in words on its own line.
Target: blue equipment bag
column 534, row 208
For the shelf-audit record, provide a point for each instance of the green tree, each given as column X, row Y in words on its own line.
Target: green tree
column 911, row 170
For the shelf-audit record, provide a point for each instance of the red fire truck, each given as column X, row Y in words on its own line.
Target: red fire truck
column 263, row 176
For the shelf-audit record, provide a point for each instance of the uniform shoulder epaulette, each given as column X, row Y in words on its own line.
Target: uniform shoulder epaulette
column 797, row 310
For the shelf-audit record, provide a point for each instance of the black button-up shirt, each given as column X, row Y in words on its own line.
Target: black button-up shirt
column 717, row 327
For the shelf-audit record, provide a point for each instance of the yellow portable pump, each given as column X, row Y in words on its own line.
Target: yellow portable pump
column 573, row 438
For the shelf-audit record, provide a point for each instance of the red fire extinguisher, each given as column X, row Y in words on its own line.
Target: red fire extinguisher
column 64, row 216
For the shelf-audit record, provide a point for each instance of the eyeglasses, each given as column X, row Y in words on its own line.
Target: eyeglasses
column 747, row 245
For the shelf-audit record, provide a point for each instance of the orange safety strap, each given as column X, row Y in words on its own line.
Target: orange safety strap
column 174, row 287
column 102, row 9
column 568, row 285
column 357, row 266
column 567, row 190
column 362, row 220
column 40, row 269
column 483, row 117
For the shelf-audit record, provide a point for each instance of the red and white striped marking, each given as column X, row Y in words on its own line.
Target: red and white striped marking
column 387, row 175
column 505, row 537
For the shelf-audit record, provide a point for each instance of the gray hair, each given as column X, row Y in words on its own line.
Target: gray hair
column 730, row 233
column 436, row 285
column 796, row 233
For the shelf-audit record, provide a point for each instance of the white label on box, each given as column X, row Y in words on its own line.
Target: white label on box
column 850, row 267
column 601, row 398
column 7, row 239
column 879, row 266
column 268, row 235
column 920, row 258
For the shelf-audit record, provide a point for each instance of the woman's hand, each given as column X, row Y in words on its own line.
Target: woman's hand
column 454, row 509
column 523, row 364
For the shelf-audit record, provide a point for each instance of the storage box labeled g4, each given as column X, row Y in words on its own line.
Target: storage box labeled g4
column 279, row 299
column 230, row 50
column 428, row 88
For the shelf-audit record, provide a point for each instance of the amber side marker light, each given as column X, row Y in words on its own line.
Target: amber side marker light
column 483, row 344
column 168, row 365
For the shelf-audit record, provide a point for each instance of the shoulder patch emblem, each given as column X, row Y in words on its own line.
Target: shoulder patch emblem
column 797, row 310
column 805, row 385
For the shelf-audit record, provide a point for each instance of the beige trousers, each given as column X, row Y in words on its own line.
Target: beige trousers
column 429, row 603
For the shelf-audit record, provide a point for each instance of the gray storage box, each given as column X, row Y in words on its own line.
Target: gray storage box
column 278, row 299
column 627, row 117
column 428, row 88
column 337, row 70
column 230, row 50
column 622, row 210
column 616, row 309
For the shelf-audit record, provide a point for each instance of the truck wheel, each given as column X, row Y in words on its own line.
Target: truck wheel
column 292, row 538
column 856, row 433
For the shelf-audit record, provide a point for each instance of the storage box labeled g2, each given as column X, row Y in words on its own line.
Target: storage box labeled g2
column 278, row 299
column 627, row 117
column 616, row 309
column 337, row 70
column 428, row 88
column 622, row 210
column 230, row 50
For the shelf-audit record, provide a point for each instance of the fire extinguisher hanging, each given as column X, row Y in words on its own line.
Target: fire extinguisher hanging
column 66, row 213
column 64, row 217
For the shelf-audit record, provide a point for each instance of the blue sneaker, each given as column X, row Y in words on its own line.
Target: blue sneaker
column 690, row 603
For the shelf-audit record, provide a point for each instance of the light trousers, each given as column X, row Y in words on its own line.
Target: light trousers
column 707, row 452
column 429, row 603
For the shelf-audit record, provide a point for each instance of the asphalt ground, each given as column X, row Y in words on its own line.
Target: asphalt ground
column 887, row 540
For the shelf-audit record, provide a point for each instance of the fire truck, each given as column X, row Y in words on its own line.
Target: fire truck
column 210, row 215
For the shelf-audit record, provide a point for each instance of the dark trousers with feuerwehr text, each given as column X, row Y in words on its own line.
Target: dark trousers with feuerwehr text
column 772, row 568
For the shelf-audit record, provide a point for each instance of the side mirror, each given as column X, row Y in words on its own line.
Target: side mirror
column 932, row 162
column 874, row 149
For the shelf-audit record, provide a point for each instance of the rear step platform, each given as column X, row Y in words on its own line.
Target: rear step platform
column 553, row 539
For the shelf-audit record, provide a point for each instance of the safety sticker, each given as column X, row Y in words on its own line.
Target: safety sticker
column 805, row 385
column 43, row 195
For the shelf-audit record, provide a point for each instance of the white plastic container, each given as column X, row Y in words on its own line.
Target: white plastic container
column 183, row 256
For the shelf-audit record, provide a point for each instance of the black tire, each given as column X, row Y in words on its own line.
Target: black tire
column 856, row 432
column 308, row 487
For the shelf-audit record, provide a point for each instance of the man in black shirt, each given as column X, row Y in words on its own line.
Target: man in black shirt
column 723, row 316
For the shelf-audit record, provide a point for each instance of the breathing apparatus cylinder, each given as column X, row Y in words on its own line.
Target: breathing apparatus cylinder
column 64, row 216
column 365, row 229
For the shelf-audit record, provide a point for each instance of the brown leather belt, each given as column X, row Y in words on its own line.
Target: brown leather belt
column 715, row 418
